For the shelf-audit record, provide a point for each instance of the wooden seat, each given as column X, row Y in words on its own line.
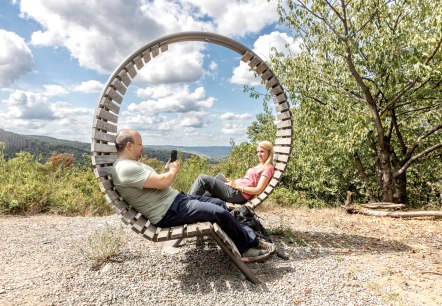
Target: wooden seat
column 104, row 129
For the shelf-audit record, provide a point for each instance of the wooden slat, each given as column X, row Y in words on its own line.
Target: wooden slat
column 277, row 174
column 103, row 148
column 139, row 224
column 138, row 62
column 255, row 201
column 263, row 196
column 120, row 206
column 105, row 184
column 272, row 82
column 281, row 149
column 282, row 158
column 261, row 68
column 282, row 107
column 105, row 126
column 131, row 215
column 150, row 231
column 254, row 62
column 280, row 166
column 104, row 114
column 101, row 136
column 283, row 141
column 246, row 57
column 177, row 232
column 112, row 195
column 284, row 124
column 273, row 182
column 284, row 115
column 103, row 171
column 108, row 104
column 164, row 47
column 118, row 85
column 269, row 190
column 284, row 132
column 124, row 77
column 191, row 230
column 112, row 94
column 155, row 51
column 226, row 239
column 277, row 90
column 163, row 235
column 103, row 159
column 280, row 98
column 204, row 227
column 131, row 70
column 267, row 75
column 146, row 56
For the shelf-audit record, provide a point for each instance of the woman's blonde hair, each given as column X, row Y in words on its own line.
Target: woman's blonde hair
column 268, row 146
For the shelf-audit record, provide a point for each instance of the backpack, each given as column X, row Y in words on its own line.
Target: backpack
column 247, row 216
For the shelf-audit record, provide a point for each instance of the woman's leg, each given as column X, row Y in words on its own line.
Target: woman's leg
column 217, row 189
column 192, row 209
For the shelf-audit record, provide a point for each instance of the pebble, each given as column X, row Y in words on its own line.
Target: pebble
column 200, row 274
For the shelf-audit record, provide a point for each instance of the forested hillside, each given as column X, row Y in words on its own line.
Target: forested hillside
column 44, row 146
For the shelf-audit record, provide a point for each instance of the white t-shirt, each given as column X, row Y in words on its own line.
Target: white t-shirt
column 129, row 177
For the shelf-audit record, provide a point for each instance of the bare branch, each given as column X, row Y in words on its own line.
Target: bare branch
column 434, row 52
column 420, row 138
column 416, row 157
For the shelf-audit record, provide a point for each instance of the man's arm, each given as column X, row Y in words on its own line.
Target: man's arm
column 164, row 180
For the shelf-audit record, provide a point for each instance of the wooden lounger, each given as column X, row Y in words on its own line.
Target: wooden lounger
column 104, row 129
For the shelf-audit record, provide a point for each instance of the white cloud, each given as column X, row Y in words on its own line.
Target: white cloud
column 181, row 63
column 54, row 90
column 193, row 119
column 90, row 86
column 15, row 58
column 33, row 113
column 233, row 117
column 234, row 129
column 238, row 18
column 100, row 34
column 265, row 47
column 172, row 99
column 28, row 105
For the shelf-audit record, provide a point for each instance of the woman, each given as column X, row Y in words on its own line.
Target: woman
column 242, row 189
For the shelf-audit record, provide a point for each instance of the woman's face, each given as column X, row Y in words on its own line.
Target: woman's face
column 262, row 153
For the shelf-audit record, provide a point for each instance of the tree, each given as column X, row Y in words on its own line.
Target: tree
column 367, row 89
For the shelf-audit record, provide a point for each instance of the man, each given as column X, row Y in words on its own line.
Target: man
column 150, row 194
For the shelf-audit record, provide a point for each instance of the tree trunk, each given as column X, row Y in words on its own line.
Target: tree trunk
column 387, row 173
column 400, row 189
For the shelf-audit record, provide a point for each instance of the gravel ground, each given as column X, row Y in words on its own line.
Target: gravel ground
column 335, row 259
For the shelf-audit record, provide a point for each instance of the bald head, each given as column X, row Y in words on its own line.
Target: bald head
column 123, row 137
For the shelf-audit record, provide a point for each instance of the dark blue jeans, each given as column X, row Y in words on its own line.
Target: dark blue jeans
column 187, row 209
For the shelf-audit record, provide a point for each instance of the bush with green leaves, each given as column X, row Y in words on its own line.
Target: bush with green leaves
column 28, row 186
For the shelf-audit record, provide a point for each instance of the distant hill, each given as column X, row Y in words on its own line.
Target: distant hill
column 208, row 151
column 44, row 146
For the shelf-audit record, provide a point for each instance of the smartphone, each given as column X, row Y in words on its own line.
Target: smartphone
column 173, row 155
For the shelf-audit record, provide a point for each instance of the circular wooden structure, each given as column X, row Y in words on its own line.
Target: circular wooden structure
column 105, row 122
column 104, row 129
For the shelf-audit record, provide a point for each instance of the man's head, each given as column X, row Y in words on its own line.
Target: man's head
column 129, row 144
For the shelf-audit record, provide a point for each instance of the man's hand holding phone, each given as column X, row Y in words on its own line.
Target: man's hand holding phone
column 172, row 159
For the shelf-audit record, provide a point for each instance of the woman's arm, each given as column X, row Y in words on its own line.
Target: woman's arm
column 262, row 183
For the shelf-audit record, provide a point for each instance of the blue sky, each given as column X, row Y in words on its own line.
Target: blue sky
column 56, row 57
